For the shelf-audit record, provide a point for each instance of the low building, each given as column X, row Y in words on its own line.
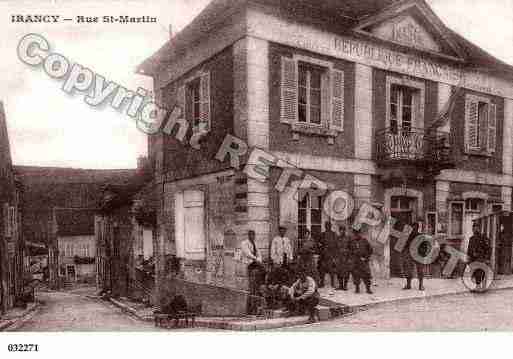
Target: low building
column 12, row 263
column 76, row 245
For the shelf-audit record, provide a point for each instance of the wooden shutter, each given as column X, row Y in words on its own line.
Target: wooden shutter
column 205, row 102
column 472, row 124
column 492, row 128
column 337, row 101
column 289, row 90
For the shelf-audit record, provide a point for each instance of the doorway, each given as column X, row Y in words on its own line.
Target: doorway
column 402, row 209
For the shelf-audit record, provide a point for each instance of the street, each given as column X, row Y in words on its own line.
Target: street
column 63, row 311
column 491, row 311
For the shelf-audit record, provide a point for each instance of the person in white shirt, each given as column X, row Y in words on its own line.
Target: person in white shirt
column 256, row 272
column 281, row 248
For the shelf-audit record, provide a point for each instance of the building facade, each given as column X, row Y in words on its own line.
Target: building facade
column 383, row 102
column 12, row 264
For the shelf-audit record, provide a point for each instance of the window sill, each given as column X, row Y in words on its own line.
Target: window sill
column 299, row 128
column 479, row 153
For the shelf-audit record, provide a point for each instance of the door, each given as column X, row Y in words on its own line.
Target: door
column 403, row 218
column 70, row 273
column 504, row 245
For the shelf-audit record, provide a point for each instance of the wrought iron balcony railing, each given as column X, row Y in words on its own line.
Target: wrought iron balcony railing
column 413, row 146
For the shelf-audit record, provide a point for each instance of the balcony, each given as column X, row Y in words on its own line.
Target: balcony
column 426, row 150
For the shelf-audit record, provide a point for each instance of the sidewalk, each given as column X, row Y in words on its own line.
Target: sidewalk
column 16, row 315
column 389, row 291
column 333, row 303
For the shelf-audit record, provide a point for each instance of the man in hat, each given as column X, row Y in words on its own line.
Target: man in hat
column 479, row 250
column 361, row 251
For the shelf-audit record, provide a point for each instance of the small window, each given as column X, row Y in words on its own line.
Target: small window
column 480, row 124
column 195, row 96
column 474, row 205
column 456, row 219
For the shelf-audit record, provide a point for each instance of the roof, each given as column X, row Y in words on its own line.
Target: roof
column 75, row 222
column 346, row 13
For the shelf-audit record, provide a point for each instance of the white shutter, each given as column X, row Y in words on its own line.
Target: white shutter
column 205, row 102
column 492, row 128
column 289, row 90
column 337, row 101
column 472, row 124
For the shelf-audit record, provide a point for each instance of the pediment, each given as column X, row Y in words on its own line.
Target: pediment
column 412, row 24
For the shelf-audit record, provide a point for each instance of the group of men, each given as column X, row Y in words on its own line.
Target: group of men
column 293, row 278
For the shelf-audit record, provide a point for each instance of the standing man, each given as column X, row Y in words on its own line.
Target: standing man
column 329, row 255
column 281, row 249
column 344, row 259
column 256, row 272
column 479, row 250
column 306, row 256
column 410, row 265
column 361, row 251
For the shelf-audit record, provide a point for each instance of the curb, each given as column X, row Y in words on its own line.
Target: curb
column 362, row 307
column 14, row 322
column 128, row 309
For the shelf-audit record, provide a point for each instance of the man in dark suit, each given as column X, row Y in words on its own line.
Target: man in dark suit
column 361, row 250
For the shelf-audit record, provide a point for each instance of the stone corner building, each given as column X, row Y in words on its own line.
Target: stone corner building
column 379, row 99
column 11, row 239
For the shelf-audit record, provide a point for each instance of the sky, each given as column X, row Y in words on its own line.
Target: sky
column 50, row 128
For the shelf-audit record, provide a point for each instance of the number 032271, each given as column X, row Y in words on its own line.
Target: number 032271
column 23, row 347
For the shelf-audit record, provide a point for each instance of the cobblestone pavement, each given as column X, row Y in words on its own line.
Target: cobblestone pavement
column 490, row 311
column 63, row 311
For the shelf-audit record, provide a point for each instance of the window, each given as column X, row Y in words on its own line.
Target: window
column 474, row 205
column 456, row 219
column 194, row 101
column 194, row 97
column 431, row 223
column 399, row 203
column 190, row 224
column 69, row 250
column 402, row 107
column 480, row 124
column 309, row 102
column 312, row 94
column 310, row 215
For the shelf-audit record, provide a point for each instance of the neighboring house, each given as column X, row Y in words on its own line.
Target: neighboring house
column 12, row 247
column 375, row 98
column 49, row 191
column 125, row 234
column 76, row 244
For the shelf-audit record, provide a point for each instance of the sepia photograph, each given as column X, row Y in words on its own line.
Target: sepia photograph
column 262, row 166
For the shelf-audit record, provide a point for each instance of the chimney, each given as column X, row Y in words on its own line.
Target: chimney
column 170, row 31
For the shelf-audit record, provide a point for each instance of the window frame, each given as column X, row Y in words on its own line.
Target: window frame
column 462, row 223
column 418, row 100
column 306, row 195
column 326, row 86
column 483, row 127
column 197, row 76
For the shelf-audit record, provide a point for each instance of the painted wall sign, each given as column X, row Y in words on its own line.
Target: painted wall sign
column 274, row 29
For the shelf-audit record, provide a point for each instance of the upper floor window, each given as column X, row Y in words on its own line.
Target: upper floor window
column 194, row 98
column 312, row 93
column 480, row 125
column 309, row 104
column 402, row 107
column 405, row 104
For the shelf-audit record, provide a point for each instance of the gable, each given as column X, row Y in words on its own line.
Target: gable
column 412, row 24
column 406, row 31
